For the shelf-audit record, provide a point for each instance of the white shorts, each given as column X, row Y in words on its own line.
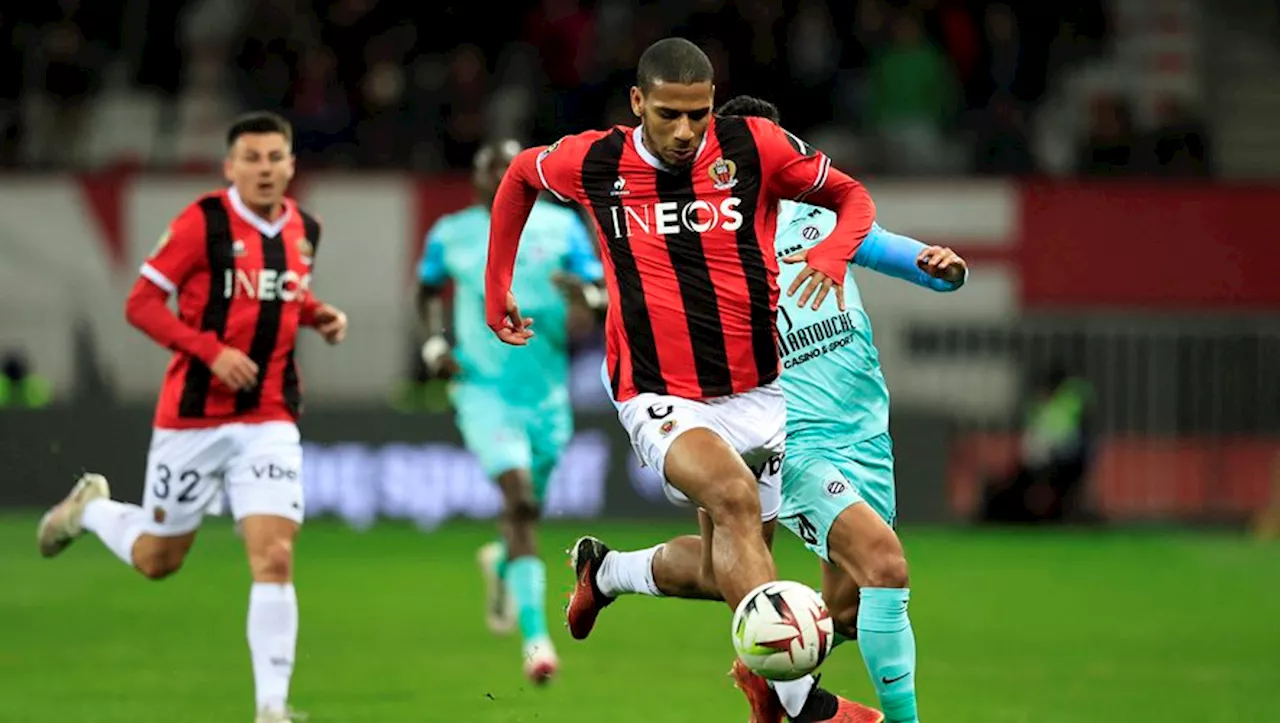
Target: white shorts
column 257, row 466
column 754, row 423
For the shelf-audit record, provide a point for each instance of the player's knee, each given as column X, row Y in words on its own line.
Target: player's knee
column 273, row 561
column 522, row 510
column 735, row 501
column 887, row 569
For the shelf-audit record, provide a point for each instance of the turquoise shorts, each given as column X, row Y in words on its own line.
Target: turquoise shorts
column 821, row 481
column 505, row 436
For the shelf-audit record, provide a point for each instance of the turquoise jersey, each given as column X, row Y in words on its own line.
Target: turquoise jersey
column 554, row 240
column 831, row 373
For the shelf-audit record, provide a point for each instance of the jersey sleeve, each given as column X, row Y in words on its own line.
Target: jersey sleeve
column 581, row 260
column 431, row 269
column 797, row 171
column 556, row 168
column 559, row 166
column 180, row 251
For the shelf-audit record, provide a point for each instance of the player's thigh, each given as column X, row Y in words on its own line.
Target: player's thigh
column 492, row 430
column 264, row 478
column 654, row 423
column 184, row 476
column 815, row 491
column 549, row 431
column 755, row 424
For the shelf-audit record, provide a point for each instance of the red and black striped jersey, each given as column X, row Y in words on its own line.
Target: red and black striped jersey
column 241, row 282
column 689, row 252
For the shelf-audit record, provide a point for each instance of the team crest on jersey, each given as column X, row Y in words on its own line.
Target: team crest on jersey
column 237, row 248
column 306, row 249
column 724, row 172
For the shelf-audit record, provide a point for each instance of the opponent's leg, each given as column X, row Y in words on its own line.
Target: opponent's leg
column 525, row 573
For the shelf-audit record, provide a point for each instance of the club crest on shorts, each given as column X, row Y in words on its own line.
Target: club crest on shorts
column 836, row 487
column 810, row 233
column 158, row 514
column 667, row 426
column 724, row 172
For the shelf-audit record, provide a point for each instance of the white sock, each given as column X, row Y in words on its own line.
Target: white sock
column 622, row 573
column 117, row 524
column 273, row 638
column 793, row 693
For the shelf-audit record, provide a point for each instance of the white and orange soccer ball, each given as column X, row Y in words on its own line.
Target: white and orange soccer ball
column 782, row 630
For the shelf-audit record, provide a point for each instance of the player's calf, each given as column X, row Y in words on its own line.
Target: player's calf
column 705, row 468
column 159, row 557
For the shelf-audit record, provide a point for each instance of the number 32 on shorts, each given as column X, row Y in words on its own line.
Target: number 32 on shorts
column 184, row 483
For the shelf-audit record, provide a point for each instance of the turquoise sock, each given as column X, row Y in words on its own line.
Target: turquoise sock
column 501, row 567
column 527, row 582
column 889, row 649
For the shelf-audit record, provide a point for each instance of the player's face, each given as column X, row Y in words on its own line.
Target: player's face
column 260, row 165
column 675, row 117
column 488, row 178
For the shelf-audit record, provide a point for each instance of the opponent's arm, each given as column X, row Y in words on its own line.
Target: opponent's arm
column 800, row 172
column 433, row 279
column 180, row 253
column 902, row 257
column 582, row 280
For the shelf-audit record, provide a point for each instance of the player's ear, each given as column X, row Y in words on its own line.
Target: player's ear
column 226, row 169
column 291, row 167
column 637, row 101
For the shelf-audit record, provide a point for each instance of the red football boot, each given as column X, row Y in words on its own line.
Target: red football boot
column 765, row 706
column 587, row 600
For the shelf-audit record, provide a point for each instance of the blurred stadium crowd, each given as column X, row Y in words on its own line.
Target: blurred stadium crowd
column 902, row 87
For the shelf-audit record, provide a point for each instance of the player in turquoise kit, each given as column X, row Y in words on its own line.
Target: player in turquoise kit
column 839, row 456
column 512, row 403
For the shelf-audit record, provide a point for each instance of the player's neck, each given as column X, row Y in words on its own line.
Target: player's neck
column 269, row 213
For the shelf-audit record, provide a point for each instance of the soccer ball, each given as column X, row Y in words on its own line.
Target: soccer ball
column 782, row 630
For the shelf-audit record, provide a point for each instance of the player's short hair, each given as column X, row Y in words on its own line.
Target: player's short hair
column 673, row 60
column 493, row 150
column 259, row 122
column 750, row 107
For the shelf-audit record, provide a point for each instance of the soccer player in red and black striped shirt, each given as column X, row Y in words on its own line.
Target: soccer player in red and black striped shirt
column 686, row 209
column 240, row 263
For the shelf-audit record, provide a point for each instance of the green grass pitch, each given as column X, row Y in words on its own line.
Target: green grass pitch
column 1012, row 627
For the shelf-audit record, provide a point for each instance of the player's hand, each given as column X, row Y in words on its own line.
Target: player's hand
column 941, row 262
column 571, row 286
column 438, row 357
column 234, row 369
column 331, row 323
column 816, row 284
column 515, row 327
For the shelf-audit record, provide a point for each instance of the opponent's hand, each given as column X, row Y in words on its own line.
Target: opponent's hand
column 818, row 284
column 331, row 323
column 941, row 262
column 438, row 357
column 234, row 369
column 571, row 286
column 515, row 327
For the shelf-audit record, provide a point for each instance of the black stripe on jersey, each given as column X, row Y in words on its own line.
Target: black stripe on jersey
column 701, row 305
column 800, row 146
column 737, row 142
column 217, row 229
column 599, row 173
column 266, row 330
column 292, row 390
